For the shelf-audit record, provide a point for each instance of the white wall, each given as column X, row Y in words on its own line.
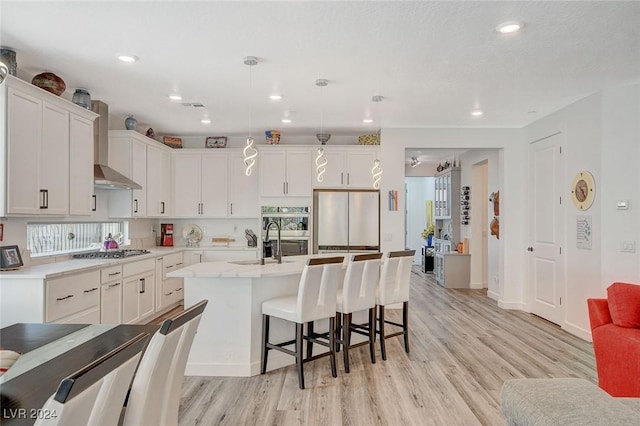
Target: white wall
column 600, row 134
column 419, row 190
column 509, row 178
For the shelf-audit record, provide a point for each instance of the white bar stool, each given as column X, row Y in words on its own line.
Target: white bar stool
column 393, row 287
column 358, row 294
column 316, row 300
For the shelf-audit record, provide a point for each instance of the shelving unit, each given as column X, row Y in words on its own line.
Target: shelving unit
column 447, row 207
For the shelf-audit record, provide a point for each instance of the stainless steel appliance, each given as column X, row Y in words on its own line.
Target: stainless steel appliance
column 114, row 254
column 294, row 230
column 346, row 221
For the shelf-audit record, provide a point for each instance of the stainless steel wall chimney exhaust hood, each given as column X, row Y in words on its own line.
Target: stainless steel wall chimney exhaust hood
column 104, row 176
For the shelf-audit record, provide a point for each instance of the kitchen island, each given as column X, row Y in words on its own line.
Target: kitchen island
column 229, row 336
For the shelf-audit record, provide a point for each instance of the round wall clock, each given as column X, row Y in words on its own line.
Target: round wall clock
column 583, row 190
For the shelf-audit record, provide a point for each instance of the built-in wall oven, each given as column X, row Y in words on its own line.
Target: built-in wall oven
column 293, row 223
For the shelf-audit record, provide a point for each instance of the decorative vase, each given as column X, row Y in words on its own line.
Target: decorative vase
column 8, row 57
column 82, row 98
column 49, row 82
column 130, row 123
column 430, row 241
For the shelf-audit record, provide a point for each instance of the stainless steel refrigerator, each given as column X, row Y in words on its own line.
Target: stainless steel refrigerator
column 346, row 221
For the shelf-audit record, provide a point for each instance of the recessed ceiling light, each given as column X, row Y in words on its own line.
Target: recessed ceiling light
column 275, row 97
column 205, row 121
column 367, row 120
column 286, row 120
column 175, row 97
column 128, row 58
column 476, row 113
column 509, row 27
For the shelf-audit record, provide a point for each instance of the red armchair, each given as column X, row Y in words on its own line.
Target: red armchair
column 615, row 329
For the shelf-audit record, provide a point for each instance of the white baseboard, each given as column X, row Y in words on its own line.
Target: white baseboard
column 517, row 306
column 493, row 295
column 578, row 331
column 276, row 360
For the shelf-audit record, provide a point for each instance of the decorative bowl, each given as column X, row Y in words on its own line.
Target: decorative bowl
column 49, row 82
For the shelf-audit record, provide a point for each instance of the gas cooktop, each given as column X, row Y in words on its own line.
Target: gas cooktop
column 111, row 254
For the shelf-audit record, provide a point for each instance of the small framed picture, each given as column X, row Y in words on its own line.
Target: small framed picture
column 10, row 257
column 215, row 142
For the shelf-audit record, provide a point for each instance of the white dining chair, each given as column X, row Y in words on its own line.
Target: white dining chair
column 94, row 395
column 358, row 293
column 393, row 288
column 315, row 300
column 154, row 398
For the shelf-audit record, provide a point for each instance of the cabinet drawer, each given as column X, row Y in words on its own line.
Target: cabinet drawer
column 171, row 262
column 172, row 291
column 69, row 295
column 110, row 274
column 135, row 268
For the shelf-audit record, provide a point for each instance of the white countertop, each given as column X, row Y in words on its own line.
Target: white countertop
column 228, row 269
column 73, row 266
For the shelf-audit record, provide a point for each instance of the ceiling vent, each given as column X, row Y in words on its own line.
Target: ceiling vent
column 193, row 104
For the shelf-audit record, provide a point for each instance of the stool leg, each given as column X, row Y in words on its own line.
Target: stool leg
column 299, row 355
column 332, row 346
column 372, row 334
column 310, row 343
column 383, row 349
column 265, row 339
column 338, row 329
column 405, row 325
column 346, row 339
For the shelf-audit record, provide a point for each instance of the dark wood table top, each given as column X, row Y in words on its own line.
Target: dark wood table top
column 22, row 396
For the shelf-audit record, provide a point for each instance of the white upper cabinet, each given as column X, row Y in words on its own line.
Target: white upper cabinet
column 81, row 201
column 146, row 162
column 346, row 168
column 213, row 185
column 158, row 181
column 285, row 172
column 40, row 128
column 243, row 189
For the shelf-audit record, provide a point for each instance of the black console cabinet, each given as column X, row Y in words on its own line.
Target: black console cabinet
column 427, row 258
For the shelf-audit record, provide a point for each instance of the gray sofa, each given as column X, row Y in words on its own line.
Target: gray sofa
column 565, row 402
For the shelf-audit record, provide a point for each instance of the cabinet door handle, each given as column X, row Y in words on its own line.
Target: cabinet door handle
column 161, row 207
column 231, row 204
column 95, row 203
column 135, row 205
column 341, row 178
column 168, row 294
column 142, row 285
column 348, row 178
column 114, row 285
column 90, row 290
column 178, row 264
column 114, row 274
column 287, row 183
column 43, row 199
column 63, row 298
column 170, row 266
column 284, row 186
column 178, row 289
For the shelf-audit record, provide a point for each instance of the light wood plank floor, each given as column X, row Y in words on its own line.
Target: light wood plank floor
column 463, row 347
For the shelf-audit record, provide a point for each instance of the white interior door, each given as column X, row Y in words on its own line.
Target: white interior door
column 546, row 267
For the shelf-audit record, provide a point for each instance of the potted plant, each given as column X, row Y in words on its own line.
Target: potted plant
column 427, row 234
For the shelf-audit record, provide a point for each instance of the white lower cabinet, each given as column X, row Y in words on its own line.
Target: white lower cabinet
column 138, row 291
column 73, row 298
column 169, row 291
column 453, row 270
column 111, row 295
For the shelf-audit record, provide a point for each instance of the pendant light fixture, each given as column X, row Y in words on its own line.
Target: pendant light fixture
column 250, row 152
column 321, row 160
column 376, row 170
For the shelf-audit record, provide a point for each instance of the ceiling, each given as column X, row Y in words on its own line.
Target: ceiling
column 434, row 62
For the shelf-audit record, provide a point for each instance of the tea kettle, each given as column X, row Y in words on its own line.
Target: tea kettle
column 109, row 244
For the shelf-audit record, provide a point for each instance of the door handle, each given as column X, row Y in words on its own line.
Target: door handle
column 142, row 285
column 95, row 203
column 529, row 248
column 161, row 207
column 135, row 205
column 43, row 199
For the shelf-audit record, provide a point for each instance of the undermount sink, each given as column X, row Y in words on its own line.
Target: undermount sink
column 257, row 261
